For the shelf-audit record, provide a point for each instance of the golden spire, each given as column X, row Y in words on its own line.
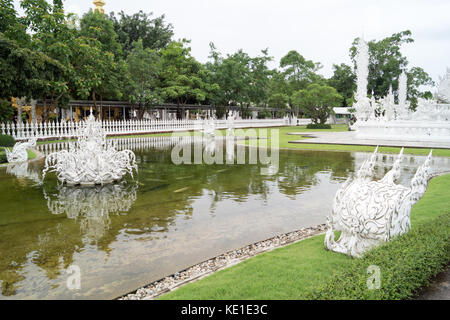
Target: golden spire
column 99, row 6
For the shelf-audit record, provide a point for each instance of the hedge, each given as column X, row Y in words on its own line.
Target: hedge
column 6, row 141
column 318, row 126
column 406, row 265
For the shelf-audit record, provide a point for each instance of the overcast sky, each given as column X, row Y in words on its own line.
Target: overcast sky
column 321, row 30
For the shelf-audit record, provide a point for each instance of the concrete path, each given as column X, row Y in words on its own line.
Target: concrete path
column 439, row 288
column 349, row 138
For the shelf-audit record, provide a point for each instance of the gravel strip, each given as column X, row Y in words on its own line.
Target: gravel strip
column 198, row 271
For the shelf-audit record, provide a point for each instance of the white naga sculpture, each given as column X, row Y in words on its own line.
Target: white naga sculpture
column 19, row 151
column 92, row 160
column 372, row 212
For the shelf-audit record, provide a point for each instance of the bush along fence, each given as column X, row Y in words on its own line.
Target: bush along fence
column 63, row 129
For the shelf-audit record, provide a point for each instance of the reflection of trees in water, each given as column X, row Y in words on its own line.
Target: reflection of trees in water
column 297, row 172
column 97, row 216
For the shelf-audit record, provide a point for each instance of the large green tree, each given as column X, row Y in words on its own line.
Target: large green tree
column 344, row 81
column 182, row 78
column 317, row 101
column 154, row 33
column 145, row 66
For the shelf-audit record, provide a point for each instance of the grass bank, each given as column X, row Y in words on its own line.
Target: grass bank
column 305, row 270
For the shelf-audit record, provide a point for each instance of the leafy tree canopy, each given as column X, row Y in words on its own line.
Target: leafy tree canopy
column 154, row 33
column 317, row 101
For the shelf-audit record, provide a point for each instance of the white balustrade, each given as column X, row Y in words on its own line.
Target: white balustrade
column 64, row 130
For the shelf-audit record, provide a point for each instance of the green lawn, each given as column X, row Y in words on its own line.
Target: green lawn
column 297, row 270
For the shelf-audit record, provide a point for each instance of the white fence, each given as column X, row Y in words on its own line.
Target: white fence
column 63, row 130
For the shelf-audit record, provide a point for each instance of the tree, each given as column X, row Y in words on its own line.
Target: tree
column 182, row 78
column 299, row 71
column 386, row 63
column 154, row 33
column 53, row 37
column 144, row 65
column 11, row 25
column 317, row 101
column 97, row 26
column 344, row 81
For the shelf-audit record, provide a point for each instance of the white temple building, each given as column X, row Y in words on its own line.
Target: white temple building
column 396, row 121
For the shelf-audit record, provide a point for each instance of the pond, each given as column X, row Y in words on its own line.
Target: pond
column 168, row 218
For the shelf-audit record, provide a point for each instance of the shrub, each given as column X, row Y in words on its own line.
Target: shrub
column 6, row 141
column 406, row 265
column 3, row 156
column 318, row 126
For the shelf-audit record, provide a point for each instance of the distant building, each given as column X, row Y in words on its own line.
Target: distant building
column 341, row 115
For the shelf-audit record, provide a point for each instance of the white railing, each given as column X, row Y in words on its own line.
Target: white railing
column 63, row 129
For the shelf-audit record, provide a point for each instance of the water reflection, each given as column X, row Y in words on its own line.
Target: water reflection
column 22, row 170
column 125, row 235
column 92, row 206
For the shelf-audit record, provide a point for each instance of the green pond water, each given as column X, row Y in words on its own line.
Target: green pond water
column 168, row 218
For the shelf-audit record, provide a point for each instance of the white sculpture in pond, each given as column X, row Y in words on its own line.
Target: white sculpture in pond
column 369, row 212
column 92, row 160
column 19, row 151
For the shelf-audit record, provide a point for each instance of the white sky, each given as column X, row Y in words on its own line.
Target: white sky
column 321, row 30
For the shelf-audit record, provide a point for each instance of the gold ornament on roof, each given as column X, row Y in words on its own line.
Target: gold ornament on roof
column 99, row 6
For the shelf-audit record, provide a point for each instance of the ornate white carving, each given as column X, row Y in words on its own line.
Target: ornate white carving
column 92, row 159
column 19, row 151
column 363, row 107
column 371, row 212
column 444, row 88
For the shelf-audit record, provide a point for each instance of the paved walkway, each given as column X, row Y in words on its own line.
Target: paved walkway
column 439, row 289
column 349, row 138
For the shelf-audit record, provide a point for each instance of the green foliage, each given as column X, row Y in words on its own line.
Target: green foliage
column 6, row 141
column 318, row 126
column 12, row 26
column 6, row 110
column 263, row 114
column 154, row 33
column 344, row 81
column 182, row 78
column 145, row 66
column 278, row 100
column 406, row 264
column 97, row 26
column 241, row 80
column 317, row 101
